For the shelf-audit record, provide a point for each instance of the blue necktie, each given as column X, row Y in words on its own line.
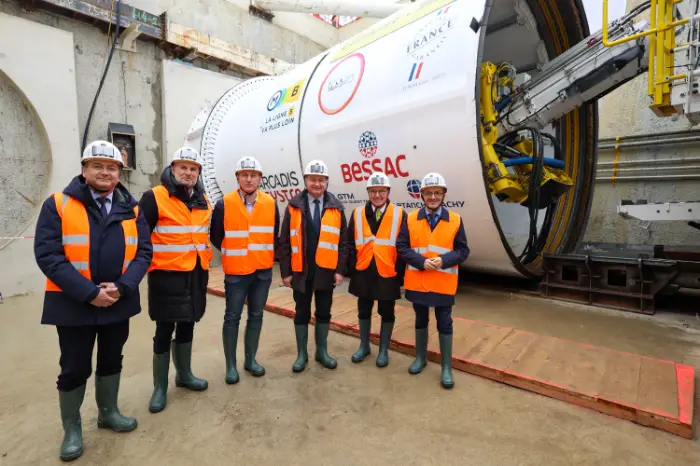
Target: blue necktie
column 433, row 221
column 317, row 215
column 103, row 207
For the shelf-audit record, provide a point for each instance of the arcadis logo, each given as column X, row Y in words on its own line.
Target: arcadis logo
column 286, row 96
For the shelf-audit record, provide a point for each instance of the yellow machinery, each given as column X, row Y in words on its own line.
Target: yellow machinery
column 513, row 117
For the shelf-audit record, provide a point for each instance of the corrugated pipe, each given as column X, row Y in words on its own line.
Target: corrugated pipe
column 650, row 161
column 667, row 134
column 634, row 169
column 651, row 177
column 650, row 142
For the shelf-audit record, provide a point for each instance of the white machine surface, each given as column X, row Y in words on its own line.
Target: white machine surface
column 405, row 97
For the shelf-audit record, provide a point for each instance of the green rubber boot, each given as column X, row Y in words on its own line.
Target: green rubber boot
column 252, row 338
column 421, row 349
column 364, row 350
column 302, row 335
column 182, row 359
column 384, row 340
column 161, row 366
column 230, row 339
column 322, row 356
column 446, row 352
column 70, row 403
column 106, row 395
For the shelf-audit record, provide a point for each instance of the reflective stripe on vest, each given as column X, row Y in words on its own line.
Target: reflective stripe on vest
column 328, row 240
column 249, row 237
column 382, row 248
column 75, row 236
column 432, row 244
column 179, row 235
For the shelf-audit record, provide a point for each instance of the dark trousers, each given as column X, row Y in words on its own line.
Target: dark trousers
column 255, row 287
column 184, row 333
column 443, row 315
column 385, row 309
column 76, row 345
column 324, row 301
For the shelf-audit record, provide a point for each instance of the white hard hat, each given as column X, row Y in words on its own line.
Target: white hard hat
column 248, row 163
column 316, row 167
column 378, row 180
column 102, row 150
column 433, row 180
column 186, row 154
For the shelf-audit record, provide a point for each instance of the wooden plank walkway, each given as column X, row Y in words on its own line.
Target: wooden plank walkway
column 651, row 392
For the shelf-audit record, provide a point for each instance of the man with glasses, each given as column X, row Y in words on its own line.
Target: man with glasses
column 313, row 256
column 93, row 244
column 433, row 243
column 244, row 227
column 178, row 213
column 375, row 270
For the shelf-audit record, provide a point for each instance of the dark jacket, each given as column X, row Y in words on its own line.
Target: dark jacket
column 459, row 253
column 368, row 283
column 72, row 306
column 323, row 279
column 216, row 232
column 175, row 296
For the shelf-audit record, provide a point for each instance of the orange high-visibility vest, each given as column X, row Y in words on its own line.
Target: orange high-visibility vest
column 381, row 248
column 180, row 234
column 249, row 239
column 431, row 244
column 328, row 240
column 75, row 232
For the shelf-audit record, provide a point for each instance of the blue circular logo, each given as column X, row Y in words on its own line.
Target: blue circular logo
column 413, row 188
column 274, row 101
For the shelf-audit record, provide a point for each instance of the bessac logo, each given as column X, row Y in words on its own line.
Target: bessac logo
column 368, row 144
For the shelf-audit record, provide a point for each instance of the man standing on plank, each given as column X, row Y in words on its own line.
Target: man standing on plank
column 313, row 258
column 433, row 243
column 374, row 267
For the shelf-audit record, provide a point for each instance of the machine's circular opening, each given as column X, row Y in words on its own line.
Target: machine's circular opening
column 528, row 34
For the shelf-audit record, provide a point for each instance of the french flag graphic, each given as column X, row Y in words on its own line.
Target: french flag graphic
column 443, row 10
column 415, row 71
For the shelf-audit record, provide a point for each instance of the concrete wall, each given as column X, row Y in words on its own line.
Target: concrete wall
column 132, row 94
column 625, row 112
column 38, row 138
column 182, row 101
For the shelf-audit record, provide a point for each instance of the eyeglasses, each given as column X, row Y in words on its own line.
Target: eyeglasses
column 433, row 194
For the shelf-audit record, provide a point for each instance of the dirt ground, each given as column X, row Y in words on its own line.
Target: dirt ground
column 355, row 415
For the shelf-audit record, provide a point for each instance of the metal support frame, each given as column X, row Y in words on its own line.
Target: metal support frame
column 127, row 38
column 664, row 211
column 357, row 8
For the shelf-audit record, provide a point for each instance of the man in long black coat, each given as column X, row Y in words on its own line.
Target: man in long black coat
column 376, row 273
column 178, row 216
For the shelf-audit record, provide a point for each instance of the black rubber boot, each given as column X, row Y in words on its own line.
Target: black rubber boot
column 161, row 366
column 446, row 352
column 252, row 338
column 106, row 395
column 421, row 349
column 230, row 339
column 182, row 359
column 364, row 350
column 384, row 340
column 70, row 403
column 302, row 335
column 322, row 356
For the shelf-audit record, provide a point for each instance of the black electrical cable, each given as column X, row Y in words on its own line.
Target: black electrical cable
column 102, row 80
column 536, row 241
